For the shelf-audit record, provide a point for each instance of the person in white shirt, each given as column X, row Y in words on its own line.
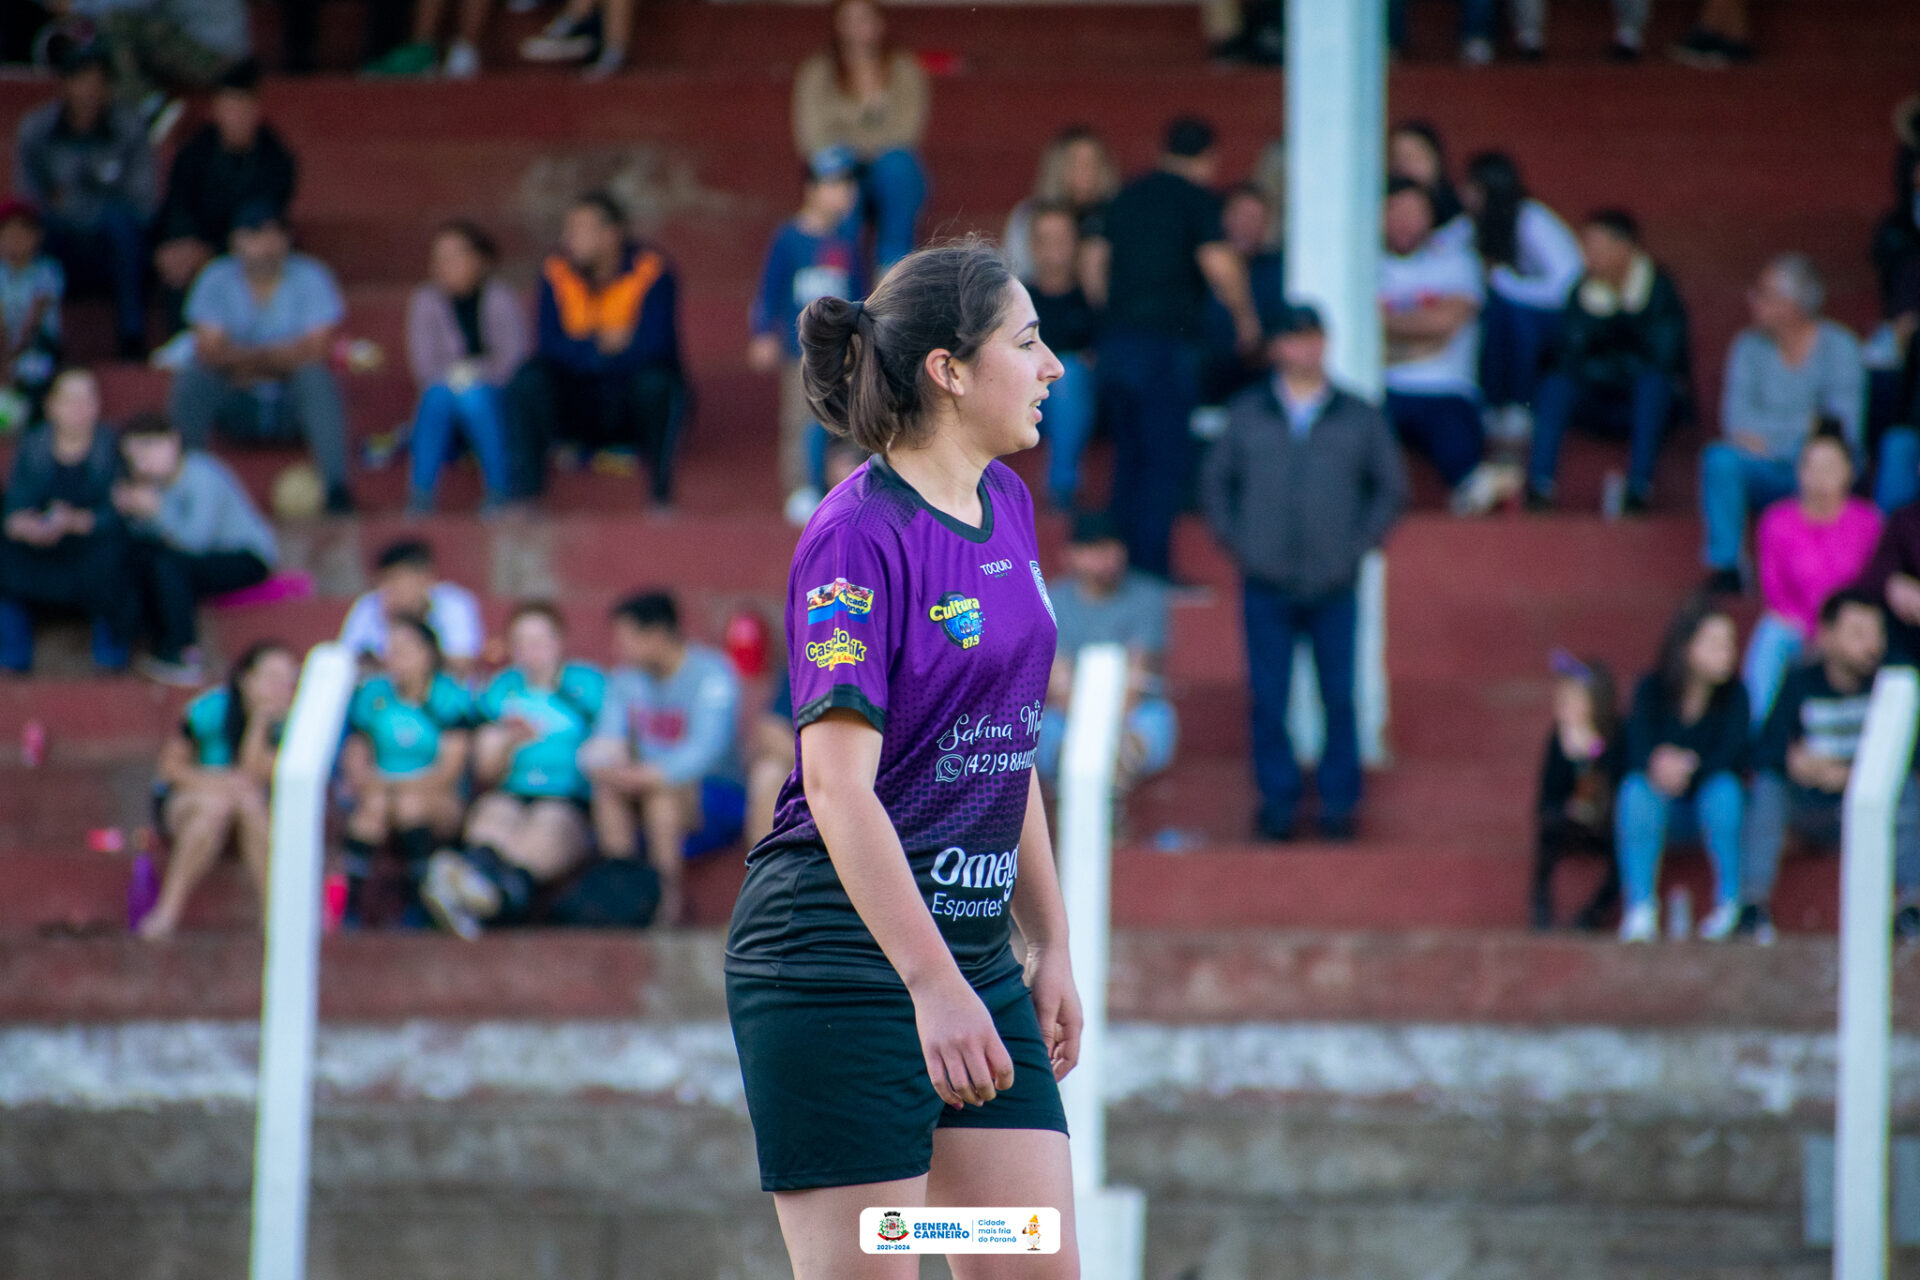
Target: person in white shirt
column 406, row 585
column 1532, row 262
column 1430, row 300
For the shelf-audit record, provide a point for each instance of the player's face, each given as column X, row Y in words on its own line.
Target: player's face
column 534, row 644
column 409, row 660
column 1000, row 395
column 268, row 688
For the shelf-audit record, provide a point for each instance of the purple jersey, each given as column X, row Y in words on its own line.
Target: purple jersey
column 941, row 635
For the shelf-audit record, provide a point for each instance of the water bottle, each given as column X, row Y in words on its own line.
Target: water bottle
column 143, row 889
column 1173, row 840
column 1679, row 913
column 1613, row 496
column 333, row 901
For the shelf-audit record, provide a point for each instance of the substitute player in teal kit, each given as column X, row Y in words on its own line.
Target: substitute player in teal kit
column 894, row 1047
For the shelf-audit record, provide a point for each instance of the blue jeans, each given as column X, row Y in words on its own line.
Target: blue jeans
column 1513, row 336
column 1644, row 820
column 1897, row 480
column 1444, row 427
column 1771, row 653
column 1066, row 420
column 1639, row 412
column 1274, row 620
column 1777, row 805
column 476, row 414
column 108, row 253
column 1151, row 723
column 1733, row 483
column 1476, row 21
column 1149, row 384
column 893, row 187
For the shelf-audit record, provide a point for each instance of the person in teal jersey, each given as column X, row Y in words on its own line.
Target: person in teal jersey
column 530, row 828
column 405, row 757
column 214, row 773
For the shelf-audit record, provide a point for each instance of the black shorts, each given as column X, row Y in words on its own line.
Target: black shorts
column 837, row 1085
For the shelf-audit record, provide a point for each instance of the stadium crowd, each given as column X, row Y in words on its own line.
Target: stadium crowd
column 486, row 788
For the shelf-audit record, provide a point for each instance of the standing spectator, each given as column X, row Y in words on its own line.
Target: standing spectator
column 421, row 55
column 87, row 166
column 1416, row 153
column 160, row 45
column 1804, row 756
column 816, row 254
column 235, row 159
column 1620, row 365
column 1791, row 369
column 1246, row 218
column 407, row 584
column 1687, row 746
column 1532, row 262
column 596, row 32
column 214, row 778
column 1430, row 299
column 1896, row 387
column 529, row 828
column 1069, row 327
column 263, row 321
column 1104, row 602
column 466, row 334
column 663, row 749
column 300, row 35
column 63, row 545
column 1076, row 173
column 1477, row 19
column 1579, row 777
column 405, row 758
column 1304, row 483
column 1162, row 252
column 195, row 534
column 605, row 372
column 1807, row 547
column 32, row 287
column 1722, row 37
column 865, row 95
column 1629, row 29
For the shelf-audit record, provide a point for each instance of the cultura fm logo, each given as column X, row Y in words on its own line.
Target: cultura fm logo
column 893, row 1225
column 960, row 617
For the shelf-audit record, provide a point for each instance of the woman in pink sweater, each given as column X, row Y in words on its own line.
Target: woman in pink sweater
column 1808, row 547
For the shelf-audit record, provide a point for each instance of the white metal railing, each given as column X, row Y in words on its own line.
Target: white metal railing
column 1880, row 772
column 1111, row 1220
column 290, row 987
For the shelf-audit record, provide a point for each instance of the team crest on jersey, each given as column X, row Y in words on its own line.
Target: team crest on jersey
column 1040, row 581
column 839, row 598
column 959, row 616
column 839, row 650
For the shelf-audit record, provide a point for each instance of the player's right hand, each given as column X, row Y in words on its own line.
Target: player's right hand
column 965, row 1059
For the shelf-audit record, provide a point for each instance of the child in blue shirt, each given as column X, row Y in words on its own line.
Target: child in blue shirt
column 32, row 286
column 814, row 255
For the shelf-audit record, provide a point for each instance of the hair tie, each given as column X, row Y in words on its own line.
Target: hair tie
column 859, row 312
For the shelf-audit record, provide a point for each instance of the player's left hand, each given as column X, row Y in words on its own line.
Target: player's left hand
column 1057, row 1002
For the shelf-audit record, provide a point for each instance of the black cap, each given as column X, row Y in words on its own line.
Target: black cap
column 1189, row 136
column 1090, row 527
column 259, row 212
column 1294, row 317
column 84, row 55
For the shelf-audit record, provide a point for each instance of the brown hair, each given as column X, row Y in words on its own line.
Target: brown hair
column 538, row 609
column 865, row 364
column 842, row 74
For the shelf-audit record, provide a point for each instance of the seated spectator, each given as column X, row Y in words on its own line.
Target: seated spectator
column 1068, row 326
column 596, row 32
column 1804, row 756
column 1430, row 298
column 466, row 334
column 770, row 760
column 171, row 44
column 1104, row 602
column 235, row 159
column 1077, row 173
column 420, row 56
column 1532, row 262
column 195, row 534
column 32, row 286
column 1620, row 364
column 863, row 94
column 528, row 829
column 86, row 165
column 1629, row 29
column 1415, row 153
column 64, row 547
column 404, row 760
column 1246, row 218
column 263, row 320
column 214, row 778
column 816, row 254
column 1721, row 37
column 1892, row 576
column 1791, row 369
column 1687, row 746
column 1579, row 777
column 1806, row 547
column 605, row 372
column 1895, row 382
column 408, row 585
column 386, row 29
column 663, row 749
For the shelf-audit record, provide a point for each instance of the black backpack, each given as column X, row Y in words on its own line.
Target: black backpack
column 613, row 893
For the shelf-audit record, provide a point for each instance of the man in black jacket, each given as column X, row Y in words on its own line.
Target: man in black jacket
column 1621, row 365
column 1306, row 480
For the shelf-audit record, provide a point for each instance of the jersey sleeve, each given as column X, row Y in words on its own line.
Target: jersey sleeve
column 360, row 710
column 584, row 688
column 844, row 625
column 493, row 699
column 450, row 705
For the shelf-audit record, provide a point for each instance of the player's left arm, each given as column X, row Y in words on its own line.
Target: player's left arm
column 1041, row 913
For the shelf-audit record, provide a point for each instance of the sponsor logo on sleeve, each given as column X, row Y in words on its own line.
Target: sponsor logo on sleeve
column 959, row 616
column 839, row 650
column 839, row 599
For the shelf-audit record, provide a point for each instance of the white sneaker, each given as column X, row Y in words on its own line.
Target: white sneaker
column 561, row 41
column 1486, row 487
column 463, row 61
column 1477, row 52
column 801, row 504
column 1641, row 923
column 442, row 892
column 1718, row 926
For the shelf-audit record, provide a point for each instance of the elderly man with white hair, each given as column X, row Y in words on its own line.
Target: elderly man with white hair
column 1786, row 373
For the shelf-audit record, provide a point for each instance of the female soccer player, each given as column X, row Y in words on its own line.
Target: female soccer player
column 893, row 1051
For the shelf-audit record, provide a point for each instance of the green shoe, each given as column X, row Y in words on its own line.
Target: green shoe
column 404, row 60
